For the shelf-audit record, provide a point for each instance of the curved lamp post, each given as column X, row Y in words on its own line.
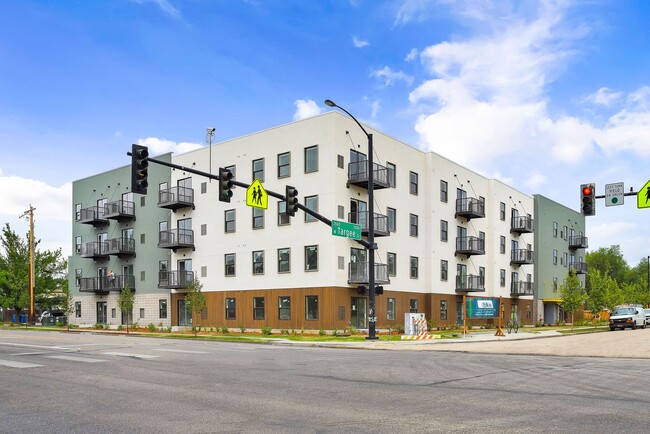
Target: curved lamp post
column 372, row 335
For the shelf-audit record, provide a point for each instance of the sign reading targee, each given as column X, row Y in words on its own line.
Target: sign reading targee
column 482, row 307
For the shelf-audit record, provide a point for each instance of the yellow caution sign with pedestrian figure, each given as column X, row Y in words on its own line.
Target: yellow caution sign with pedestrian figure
column 256, row 195
column 643, row 196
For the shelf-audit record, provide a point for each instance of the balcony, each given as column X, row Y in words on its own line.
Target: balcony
column 358, row 273
column 175, row 279
column 121, row 247
column 578, row 267
column 519, row 288
column 521, row 257
column 469, row 208
column 102, row 285
column 470, row 283
column 94, row 215
column 120, row 210
column 581, row 242
column 94, row 250
column 521, row 225
column 176, row 239
column 176, row 197
column 469, row 246
column 361, row 218
column 358, row 175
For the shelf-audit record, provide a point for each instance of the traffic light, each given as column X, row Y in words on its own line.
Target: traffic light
column 379, row 290
column 139, row 171
column 291, row 196
column 588, row 199
column 225, row 185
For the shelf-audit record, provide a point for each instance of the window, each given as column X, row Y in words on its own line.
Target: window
column 502, row 211
column 258, row 262
column 564, row 232
column 481, row 275
column 555, row 284
column 258, row 169
column 391, row 169
column 284, row 308
column 443, row 309
column 258, row 308
column 414, row 267
column 204, row 271
column 554, row 256
column 311, row 159
column 502, row 277
column 413, row 305
column 204, row 229
column 204, row 187
column 77, row 309
column 413, row 180
column 392, row 264
column 528, row 311
column 390, row 309
column 77, row 211
column 283, row 217
column 444, row 189
column 77, row 243
column 162, row 308
column 340, row 162
column 258, row 218
column 113, row 313
column 311, row 202
column 311, row 307
column 555, row 229
column 444, row 230
column 229, row 261
column 141, row 313
column 311, row 258
column 229, row 221
column 565, row 256
column 502, row 244
column 284, row 260
column 413, row 219
column 392, row 219
column 284, row 165
column 231, row 305
column 444, row 267
column 77, row 275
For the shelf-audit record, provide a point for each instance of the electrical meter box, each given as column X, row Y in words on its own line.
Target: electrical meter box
column 412, row 323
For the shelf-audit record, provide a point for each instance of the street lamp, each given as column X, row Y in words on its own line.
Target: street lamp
column 372, row 335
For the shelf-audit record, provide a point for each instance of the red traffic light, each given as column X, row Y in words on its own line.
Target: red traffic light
column 586, row 190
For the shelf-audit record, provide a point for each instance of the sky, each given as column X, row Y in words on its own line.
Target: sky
column 543, row 95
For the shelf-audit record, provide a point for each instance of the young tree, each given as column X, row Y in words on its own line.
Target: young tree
column 573, row 296
column 195, row 299
column 125, row 303
column 598, row 292
column 68, row 304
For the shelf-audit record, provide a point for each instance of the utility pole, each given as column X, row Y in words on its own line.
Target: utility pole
column 30, row 211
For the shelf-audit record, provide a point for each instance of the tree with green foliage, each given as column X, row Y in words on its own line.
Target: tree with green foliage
column 610, row 261
column 68, row 304
column 573, row 296
column 125, row 303
column 49, row 273
column 194, row 299
column 598, row 292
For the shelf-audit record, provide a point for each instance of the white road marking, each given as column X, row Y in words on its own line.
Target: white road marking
column 135, row 356
column 20, row 365
column 168, row 350
column 76, row 359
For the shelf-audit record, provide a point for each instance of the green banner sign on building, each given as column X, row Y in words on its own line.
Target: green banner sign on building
column 482, row 307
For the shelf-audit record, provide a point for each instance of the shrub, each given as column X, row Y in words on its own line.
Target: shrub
column 135, row 325
column 433, row 324
column 539, row 323
column 353, row 330
column 120, row 327
column 284, row 332
column 266, row 331
column 224, row 330
column 169, row 329
column 151, row 327
column 99, row 326
column 335, row 332
column 581, row 322
column 242, row 328
column 399, row 328
column 321, row 332
column 293, row 332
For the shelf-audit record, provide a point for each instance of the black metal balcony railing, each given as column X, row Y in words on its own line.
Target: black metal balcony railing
column 176, row 239
column 522, row 225
column 519, row 288
column 120, row 210
column 469, row 208
column 358, row 273
column 121, row 247
column 361, row 218
column 578, row 267
column 470, row 283
column 521, row 256
column 469, row 246
column 94, row 250
column 581, row 242
column 176, row 197
column 104, row 284
column 358, row 175
column 94, row 215
column 175, row 279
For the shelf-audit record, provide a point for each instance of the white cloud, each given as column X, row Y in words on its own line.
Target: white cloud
column 412, row 55
column 390, row 77
column 305, row 108
column 164, row 5
column 359, row 43
column 376, row 107
column 535, row 180
column 603, row 96
column 161, row 146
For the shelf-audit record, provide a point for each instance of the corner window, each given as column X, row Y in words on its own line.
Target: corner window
column 284, row 308
column 229, row 263
column 231, row 308
column 258, row 308
column 284, row 165
column 311, row 258
column 311, row 159
column 413, row 181
column 311, row 307
column 258, row 262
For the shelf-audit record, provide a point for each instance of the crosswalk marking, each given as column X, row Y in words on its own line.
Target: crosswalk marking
column 76, row 359
column 135, row 356
column 169, row 350
column 20, row 365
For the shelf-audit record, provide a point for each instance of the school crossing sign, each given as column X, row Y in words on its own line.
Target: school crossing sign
column 256, row 195
column 643, row 196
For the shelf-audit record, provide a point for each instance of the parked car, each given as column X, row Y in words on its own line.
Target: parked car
column 647, row 316
column 627, row 316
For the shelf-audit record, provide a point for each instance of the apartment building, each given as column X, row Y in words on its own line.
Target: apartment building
column 442, row 231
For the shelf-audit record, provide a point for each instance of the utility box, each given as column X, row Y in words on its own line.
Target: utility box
column 412, row 323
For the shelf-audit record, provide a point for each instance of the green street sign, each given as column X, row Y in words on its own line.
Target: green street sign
column 345, row 229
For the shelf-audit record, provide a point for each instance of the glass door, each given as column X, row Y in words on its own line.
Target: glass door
column 102, row 315
column 184, row 315
column 359, row 313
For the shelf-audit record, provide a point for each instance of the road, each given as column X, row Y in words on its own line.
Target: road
column 83, row 383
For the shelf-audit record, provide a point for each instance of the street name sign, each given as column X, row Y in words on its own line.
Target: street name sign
column 614, row 194
column 345, row 229
column 256, row 195
column 643, row 196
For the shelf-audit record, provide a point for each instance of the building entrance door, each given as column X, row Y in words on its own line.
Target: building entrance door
column 359, row 313
column 102, row 315
column 184, row 315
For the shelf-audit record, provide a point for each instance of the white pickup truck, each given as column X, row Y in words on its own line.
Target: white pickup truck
column 631, row 316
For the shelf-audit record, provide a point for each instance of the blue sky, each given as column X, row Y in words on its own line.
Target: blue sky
column 544, row 95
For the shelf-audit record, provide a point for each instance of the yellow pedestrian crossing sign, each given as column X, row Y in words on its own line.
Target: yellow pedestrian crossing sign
column 643, row 196
column 256, row 195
